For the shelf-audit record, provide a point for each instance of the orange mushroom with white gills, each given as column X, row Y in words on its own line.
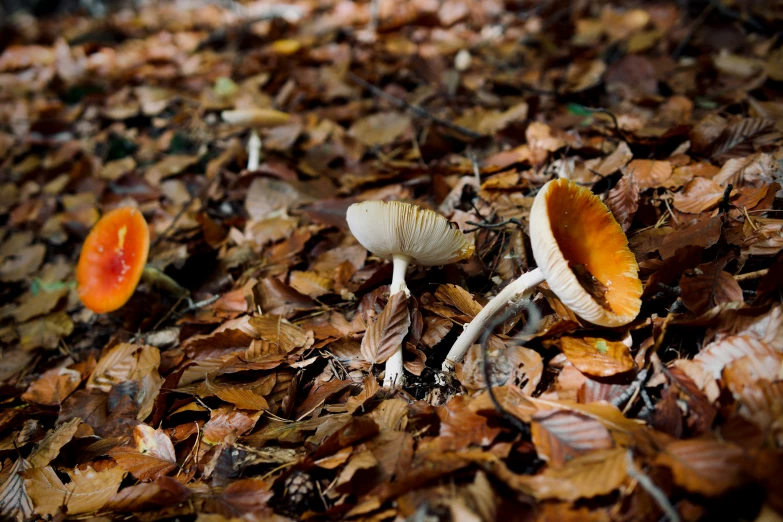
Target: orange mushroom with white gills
column 405, row 234
column 581, row 252
column 114, row 259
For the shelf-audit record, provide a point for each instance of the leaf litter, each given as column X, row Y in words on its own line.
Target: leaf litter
column 243, row 130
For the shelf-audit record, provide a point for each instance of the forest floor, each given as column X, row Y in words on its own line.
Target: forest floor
column 243, row 131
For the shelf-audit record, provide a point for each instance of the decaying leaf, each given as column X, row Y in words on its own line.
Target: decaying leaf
column 385, row 335
column 88, row 490
column 149, row 456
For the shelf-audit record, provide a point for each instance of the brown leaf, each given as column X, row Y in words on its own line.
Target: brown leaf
column 435, row 329
column 649, row 173
column 459, row 298
column 623, row 200
column 87, row 491
column 709, row 286
column 21, row 263
column 705, row 466
column 149, row 456
column 703, row 233
column 243, row 398
column 227, row 425
column 53, row 386
column 716, row 355
column 48, row 449
column 595, row 356
column 384, row 336
column 45, row 332
column 595, row 473
column 560, row 436
column 15, row 503
column 164, row 492
column 381, row 128
column 310, row 283
column 460, row 427
column 698, row 195
column 89, row 405
column 369, row 390
column 280, row 331
column 243, row 497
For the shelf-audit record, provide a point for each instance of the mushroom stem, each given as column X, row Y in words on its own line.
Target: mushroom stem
column 400, row 263
column 394, row 367
column 512, row 293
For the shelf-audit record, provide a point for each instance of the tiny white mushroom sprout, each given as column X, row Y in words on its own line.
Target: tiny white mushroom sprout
column 405, row 234
column 582, row 253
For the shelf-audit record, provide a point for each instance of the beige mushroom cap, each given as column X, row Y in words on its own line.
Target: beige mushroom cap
column 571, row 226
column 389, row 228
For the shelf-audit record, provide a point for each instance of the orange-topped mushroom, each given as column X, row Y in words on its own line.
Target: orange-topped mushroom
column 113, row 259
column 581, row 252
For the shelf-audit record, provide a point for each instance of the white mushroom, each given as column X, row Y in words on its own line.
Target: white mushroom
column 405, row 234
column 582, row 253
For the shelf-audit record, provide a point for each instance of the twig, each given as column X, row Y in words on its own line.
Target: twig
column 649, row 486
column 533, row 319
column 694, row 27
column 512, row 221
column 751, row 275
column 631, row 389
column 418, row 111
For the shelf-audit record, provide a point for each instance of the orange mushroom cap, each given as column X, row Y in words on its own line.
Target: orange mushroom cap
column 112, row 260
column 569, row 225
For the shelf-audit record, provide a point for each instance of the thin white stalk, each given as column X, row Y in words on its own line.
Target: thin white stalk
column 512, row 293
column 394, row 368
column 253, row 152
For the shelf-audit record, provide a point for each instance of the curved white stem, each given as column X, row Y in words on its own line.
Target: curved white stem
column 394, row 368
column 510, row 294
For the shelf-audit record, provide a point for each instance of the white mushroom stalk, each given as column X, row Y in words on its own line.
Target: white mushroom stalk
column 405, row 234
column 574, row 236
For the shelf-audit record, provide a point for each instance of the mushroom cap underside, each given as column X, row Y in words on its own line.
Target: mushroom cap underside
column 112, row 260
column 571, row 226
column 389, row 228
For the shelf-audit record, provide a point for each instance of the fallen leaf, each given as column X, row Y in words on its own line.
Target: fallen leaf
column 623, row 200
column 705, row 466
column 87, row 491
column 48, row 449
column 381, row 128
column 149, row 456
column 560, row 436
column 596, row 356
column 384, row 336
column 708, row 286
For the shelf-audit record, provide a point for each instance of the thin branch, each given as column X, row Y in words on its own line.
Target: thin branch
column 649, row 486
column 418, row 111
column 751, row 275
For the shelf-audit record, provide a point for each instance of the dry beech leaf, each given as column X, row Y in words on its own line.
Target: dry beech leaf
column 435, row 329
column 310, row 283
column 384, row 336
column 595, row 356
column 391, row 414
column 53, row 386
column 703, row 233
column 708, row 286
column 716, row 355
column 596, row 473
column 280, row 331
column 15, row 503
column 164, row 492
column 87, row 491
column 560, row 436
column 460, row 427
column 243, row 398
column 45, row 332
column 705, row 466
column 623, row 200
column 381, row 128
column 149, row 456
column 649, row 173
column 48, row 449
column 370, row 388
column 227, row 425
column 459, row 298
column 699, row 195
